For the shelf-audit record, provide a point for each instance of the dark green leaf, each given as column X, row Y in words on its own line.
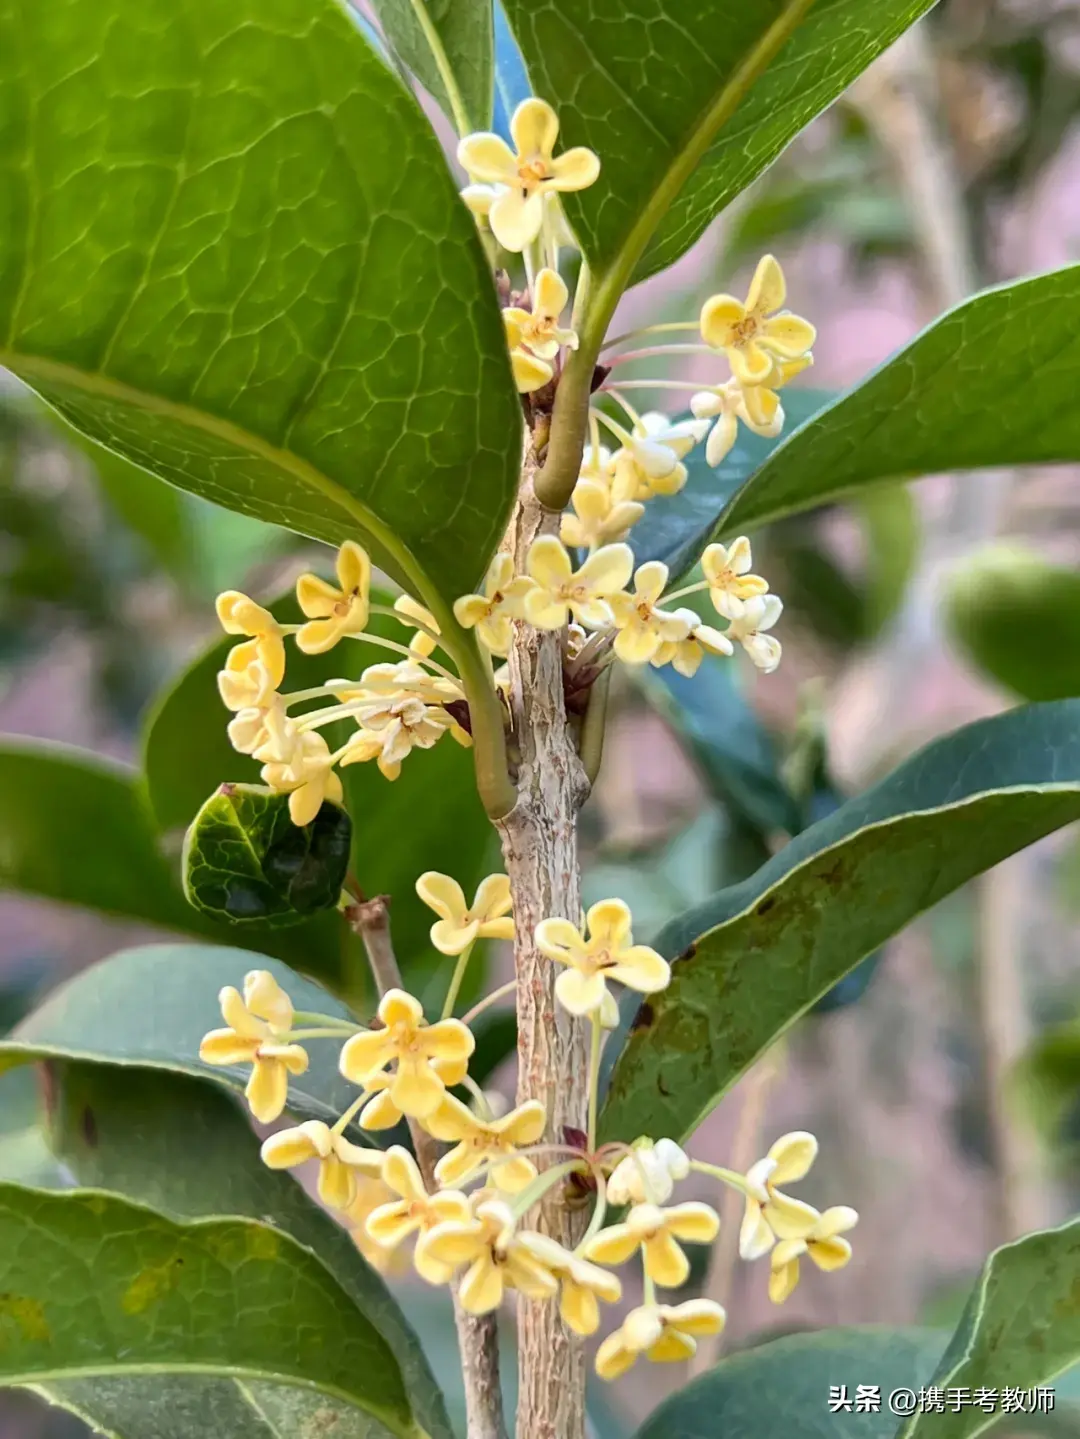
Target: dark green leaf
column 980, row 387
column 245, row 861
column 659, row 91
column 447, row 44
column 783, row 1387
column 1018, row 618
column 757, row 956
column 97, row 1286
column 183, row 1147
column 148, row 1008
column 234, row 254
column 1021, row 1328
column 676, row 528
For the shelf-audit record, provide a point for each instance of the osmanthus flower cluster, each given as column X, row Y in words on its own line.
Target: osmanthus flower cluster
column 468, row 1219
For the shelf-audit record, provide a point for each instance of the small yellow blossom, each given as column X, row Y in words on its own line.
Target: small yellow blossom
column 254, row 726
column 258, row 1022
column 560, row 590
column 380, row 1111
column 479, row 1141
column 339, row 1161
column 495, row 1255
column 598, row 518
column 686, row 655
column 759, row 614
column 731, row 584
column 608, row 953
column 424, row 641
column 460, row 925
column 414, row 1211
column 253, row 670
column 656, row 1232
column 335, row 612
column 307, row 777
column 648, row 1175
column 479, row 200
column 757, row 406
column 822, row 1244
column 649, row 462
column 370, row 1195
column 758, row 331
column 501, row 602
column 769, row 1213
column 390, row 729
column 539, row 328
column 524, row 177
column 582, row 1284
column 642, row 626
column 400, row 679
column 407, row 1039
column 665, row 1333
column 530, row 373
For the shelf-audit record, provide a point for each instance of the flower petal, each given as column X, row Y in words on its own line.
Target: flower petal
column 267, row 1089
column 610, row 923
column 337, row 1183
column 613, row 1357
column 550, row 294
column 755, row 1236
column 790, row 1218
column 513, row 1175
column 492, row 898
column 266, row 998
column 665, row 1262
column 442, row 894
column 399, row 1007
column 829, row 1254
column 793, row 1154
column 391, row 1223
column 672, row 1348
column 696, row 1316
column 525, row 1124
column 488, row 157
column 363, row 1055
column 768, row 290
column 719, row 316
column 548, row 563
column 750, row 363
column 783, row 1279
column 516, row 218
column 481, row 1288
column 692, row 1222
column 559, row 940
column 448, row 1040
column 574, row 169
column 641, row 968
column 534, row 128
column 721, row 440
column 225, row 1046
column 580, row 993
column 789, row 336
column 613, row 1245
column 416, row 1089
column 606, row 571
column 290, row 1147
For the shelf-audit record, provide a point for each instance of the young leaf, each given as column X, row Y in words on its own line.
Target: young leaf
column 783, row 1387
column 702, row 95
column 245, row 862
column 1021, row 1328
column 148, row 1008
column 447, row 44
column 183, row 1146
column 1017, row 618
column 279, row 302
column 982, row 386
column 95, row 1286
column 772, row 946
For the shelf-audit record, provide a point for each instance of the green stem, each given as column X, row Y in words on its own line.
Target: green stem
column 298, row 1034
column 524, row 1201
column 649, row 330
column 686, row 590
column 339, row 1127
column 455, row 980
column 488, row 1000
column 596, row 1223
column 594, row 1076
column 311, row 1016
column 727, row 1176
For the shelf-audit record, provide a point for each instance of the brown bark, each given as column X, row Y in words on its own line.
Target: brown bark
column 539, row 840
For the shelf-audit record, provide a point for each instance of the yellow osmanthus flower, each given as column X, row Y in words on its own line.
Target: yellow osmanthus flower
column 258, row 1022
column 608, row 953
column 823, row 1245
column 539, row 328
column 494, row 1254
column 530, row 372
column 408, row 1040
column 479, row 200
column 527, row 173
column 502, row 601
column 390, row 729
column 758, row 331
column 414, row 1211
column 460, row 924
column 255, row 726
column 582, row 1285
column 656, row 1233
column 648, row 1175
column 664, row 1333
column 253, row 670
column 643, row 627
column 686, row 655
column 601, row 515
column 334, row 612
column 380, row 1111
column 479, row 1141
column 560, row 591
column 649, row 463
column 401, row 679
column 759, row 614
column 307, row 777
column 370, row 1194
column 340, row 1162
column 424, row 641
column 727, row 570
column 769, row 1213
column 757, row 406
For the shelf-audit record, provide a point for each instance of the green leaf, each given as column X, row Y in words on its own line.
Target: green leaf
column 783, row 1387
column 890, row 522
column 245, row 861
column 279, row 302
column 1046, row 1081
column 1021, row 1328
column 752, row 959
column 980, row 387
column 1017, row 618
column 676, row 528
column 699, row 95
column 149, row 1007
column 97, row 1286
column 447, row 44
column 184, row 1147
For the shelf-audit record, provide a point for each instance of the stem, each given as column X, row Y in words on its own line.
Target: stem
column 717, row 1171
column 478, row 1335
column 594, row 1077
column 455, row 981
column 650, row 351
column 652, row 385
column 596, row 1223
column 539, row 840
column 543, row 1184
column 649, row 330
column 409, row 654
column 295, row 1035
column 488, row 1000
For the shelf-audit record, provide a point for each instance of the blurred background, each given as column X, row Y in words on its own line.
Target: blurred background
column 943, row 1077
